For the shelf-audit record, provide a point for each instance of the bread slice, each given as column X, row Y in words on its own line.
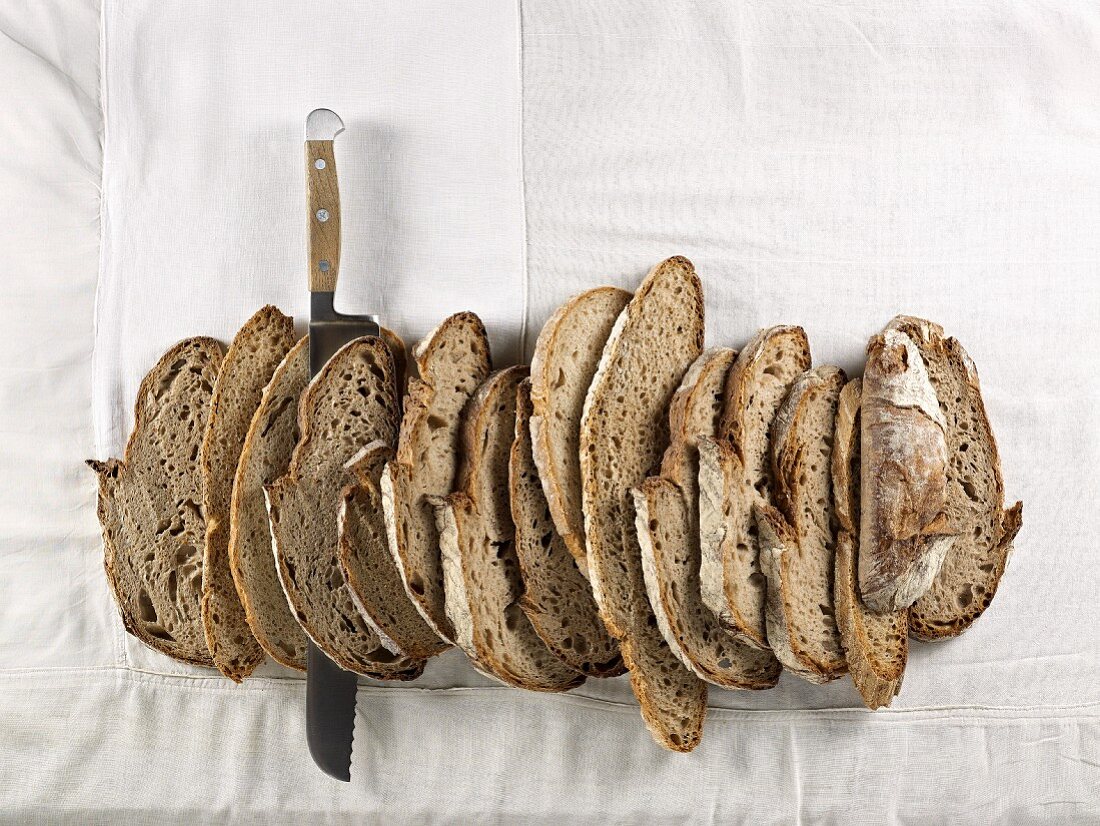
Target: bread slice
column 255, row 352
column 150, row 505
column 557, row 598
column 624, row 430
column 904, row 533
column 368, row 567
column 351, row 402
column 875, row 645
column 265, row 457
column 973, row 566
column 737, row 475
column 565, row 360
column 667, row 521
column 799, row 561
column 452, row 362
column 480, row 569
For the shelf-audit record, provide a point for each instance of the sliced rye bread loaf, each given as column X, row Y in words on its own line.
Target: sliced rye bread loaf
column 904, row 532
column 557, row 598
column 667, row 521
column 972, row 569
column 480, row 570
column 368, row 566
column 565, row 360
column 351, row 402
column 624, row 431
column 150, row 505
column 799, row 561
column 265, row 457
column 875, row 645
column 254, row 354
column 735, row 474
column 452, row 363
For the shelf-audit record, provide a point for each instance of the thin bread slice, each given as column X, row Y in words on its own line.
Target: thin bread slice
column 972, row 569
column 254, row 354
column 800, row 562
column 566, row 356
column 481, row 573
column 368, row 567
column 737, row 475
column 667, row 522
column 265, row 457
column 875, row 645
column 150, row 505
column 452, row 363
column 351, row 402
column 904, row 533
column 624, row 431
column 557, row 598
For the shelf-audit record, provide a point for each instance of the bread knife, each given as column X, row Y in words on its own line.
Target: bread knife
column 330, row 690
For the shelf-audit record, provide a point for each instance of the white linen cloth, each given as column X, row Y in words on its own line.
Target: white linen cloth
column 827, row 164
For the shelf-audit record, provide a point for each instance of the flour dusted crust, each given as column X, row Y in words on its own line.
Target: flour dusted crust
column 904, row 532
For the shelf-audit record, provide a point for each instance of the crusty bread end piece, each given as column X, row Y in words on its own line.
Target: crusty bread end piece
column 252, row 357
column 452, row 362
column 624, row 430
column 150, row 505
column 972, row 568
column 566, row 356
column 557, row 598
column 904, row 532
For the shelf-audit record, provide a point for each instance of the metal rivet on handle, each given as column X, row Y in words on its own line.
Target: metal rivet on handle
column 323, row 266
column 322, row 215
column 319, row 163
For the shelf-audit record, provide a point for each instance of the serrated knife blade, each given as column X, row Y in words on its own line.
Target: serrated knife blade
column 330, row 690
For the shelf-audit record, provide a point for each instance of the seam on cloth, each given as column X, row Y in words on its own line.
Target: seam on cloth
column 121, row 655
column 860, row 44
column 522, row 184
column 206, row 684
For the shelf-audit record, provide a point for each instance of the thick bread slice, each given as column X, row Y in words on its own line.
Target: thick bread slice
column 255, row 352
column 973, row 566
column 351, row 402
column 729, row 574
column 875, row 645
column 150, row 505
column 265, row 457
column 800, row 576
column 624, row 430
column 452, row 362
column 565, row 360
column 904, row 533
column 369, row 568
column 481, row 573
column 667, row 522
column 557, row 598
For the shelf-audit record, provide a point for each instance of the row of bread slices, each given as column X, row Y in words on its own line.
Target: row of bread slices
column 631, row 502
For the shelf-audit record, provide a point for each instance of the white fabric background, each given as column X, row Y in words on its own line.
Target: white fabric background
column 827, row 165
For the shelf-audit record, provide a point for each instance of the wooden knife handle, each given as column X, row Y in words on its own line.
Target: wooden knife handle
column 324, row 216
